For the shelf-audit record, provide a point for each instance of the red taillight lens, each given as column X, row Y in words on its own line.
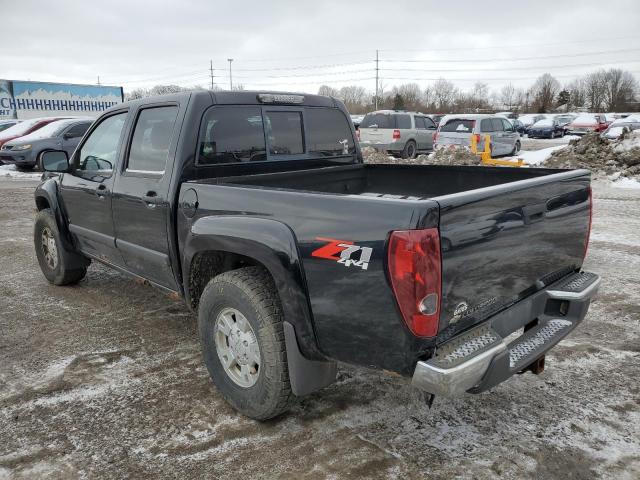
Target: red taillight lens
column 358, row 134
column 586, row 240
column 435, row 136
column 396, row 134
column 477, row 135
column 415, row 272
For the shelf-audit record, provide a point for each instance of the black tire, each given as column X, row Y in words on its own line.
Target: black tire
column 250, row 291
column 60, row 267
column 409, row 150
column 516, row 148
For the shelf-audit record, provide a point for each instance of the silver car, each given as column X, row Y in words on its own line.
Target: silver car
column 457, row 130
column 397, row 132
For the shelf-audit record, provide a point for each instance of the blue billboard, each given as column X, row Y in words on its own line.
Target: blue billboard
column 26, row 99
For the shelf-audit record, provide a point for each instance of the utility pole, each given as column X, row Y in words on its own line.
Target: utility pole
column 211, row 69
column 98, row 79
column 376, row 100
column 230, row 74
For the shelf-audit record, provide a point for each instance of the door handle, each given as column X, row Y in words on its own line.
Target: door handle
column 101, row 190
column 151, row 199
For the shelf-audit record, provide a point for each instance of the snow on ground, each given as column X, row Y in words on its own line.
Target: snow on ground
column 536, row 157
column 12, row 172
column 625, row 182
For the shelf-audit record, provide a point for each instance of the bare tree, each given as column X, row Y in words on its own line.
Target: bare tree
column 327, row 91
column 619, row 89
column 544, row 91
column 508, row 96
column 411, row 95
column 444, row 93
column 594, row 90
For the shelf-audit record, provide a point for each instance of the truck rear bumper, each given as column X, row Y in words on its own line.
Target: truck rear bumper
column 480, row 358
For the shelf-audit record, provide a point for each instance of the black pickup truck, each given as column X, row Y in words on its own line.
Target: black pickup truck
column 258, row 210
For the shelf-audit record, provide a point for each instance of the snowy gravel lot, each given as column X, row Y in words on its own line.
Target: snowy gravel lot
column 105, row 380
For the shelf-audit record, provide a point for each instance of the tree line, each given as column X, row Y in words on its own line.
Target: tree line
column 613, row 90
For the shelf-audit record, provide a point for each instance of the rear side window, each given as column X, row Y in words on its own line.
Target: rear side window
column 284, row 132
column 329, row 133
column 378, row 120
column 497, row 125
column 151, row 138
column 458, row 125
column 230, row 135
column 403, row 121
column 429, row 123
column 78, row 130
column 486, row 125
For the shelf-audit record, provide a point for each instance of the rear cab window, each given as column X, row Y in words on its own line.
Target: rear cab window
column 231, row 134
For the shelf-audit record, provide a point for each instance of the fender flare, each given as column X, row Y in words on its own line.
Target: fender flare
column 273, row 244
column 48, row 190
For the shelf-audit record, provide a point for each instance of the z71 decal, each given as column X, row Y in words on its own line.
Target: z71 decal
column 344, row 251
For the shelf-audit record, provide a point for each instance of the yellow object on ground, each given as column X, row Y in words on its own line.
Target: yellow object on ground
column 485, row 155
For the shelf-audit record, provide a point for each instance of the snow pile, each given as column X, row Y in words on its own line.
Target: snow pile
column 603, row 157
column 12, row 172
column 536, row 157
column 443, row 156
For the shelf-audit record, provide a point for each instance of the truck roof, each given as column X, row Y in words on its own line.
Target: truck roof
column 245, row 97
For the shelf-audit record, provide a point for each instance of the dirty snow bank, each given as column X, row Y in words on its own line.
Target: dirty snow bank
column 605, row 158
column 12, row 172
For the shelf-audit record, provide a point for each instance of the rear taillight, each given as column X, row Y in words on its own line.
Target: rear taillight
column 415, row 273
column 358, row 134
column 396, row 134
column 477, row 135
column 586, row 240
column 435, row 136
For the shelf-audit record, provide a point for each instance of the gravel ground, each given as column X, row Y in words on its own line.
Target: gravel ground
column 105, row 380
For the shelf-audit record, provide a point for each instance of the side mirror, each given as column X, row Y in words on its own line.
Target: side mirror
column 55, row 161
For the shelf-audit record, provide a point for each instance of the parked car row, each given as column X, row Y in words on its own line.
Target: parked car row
column 23, row 143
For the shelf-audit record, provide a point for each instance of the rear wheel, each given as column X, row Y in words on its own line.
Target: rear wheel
column 409, row 150
column 240, row 324
column 59, row 265
column 516, row 148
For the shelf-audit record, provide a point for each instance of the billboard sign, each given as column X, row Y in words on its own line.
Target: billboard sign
column 26, row 99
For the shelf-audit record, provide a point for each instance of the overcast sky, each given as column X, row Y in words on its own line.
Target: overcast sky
column 298, row 45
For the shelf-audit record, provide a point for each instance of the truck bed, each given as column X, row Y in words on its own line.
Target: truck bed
column 504, row 234
column 390, row 181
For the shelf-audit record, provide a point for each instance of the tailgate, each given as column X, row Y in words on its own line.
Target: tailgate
column 502, row 243
column 375, row 135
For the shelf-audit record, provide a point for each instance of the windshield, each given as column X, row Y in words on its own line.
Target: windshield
column 543, row 123
column 629, row 119
column 586, row 119
column 458, row 125
column 52, row 129
column 20, row 128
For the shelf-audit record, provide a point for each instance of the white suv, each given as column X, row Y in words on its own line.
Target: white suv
column 397, row 132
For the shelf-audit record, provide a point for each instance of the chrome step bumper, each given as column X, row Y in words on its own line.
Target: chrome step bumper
column 480, row 358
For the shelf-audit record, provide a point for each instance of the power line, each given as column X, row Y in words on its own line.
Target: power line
column 535, row 67
column 503, row 46
column 482, row 60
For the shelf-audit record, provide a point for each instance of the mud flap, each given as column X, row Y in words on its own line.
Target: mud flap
column 305, row 375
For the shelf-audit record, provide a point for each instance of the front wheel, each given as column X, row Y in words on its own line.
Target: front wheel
column 516, row 148
column 59, row 265
column 240, row 325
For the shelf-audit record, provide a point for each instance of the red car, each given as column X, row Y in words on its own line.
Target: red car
column 24, row 128
column 588, row 122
